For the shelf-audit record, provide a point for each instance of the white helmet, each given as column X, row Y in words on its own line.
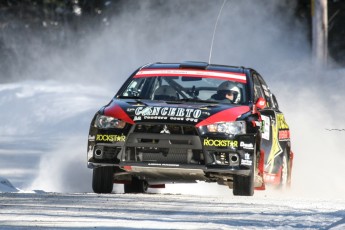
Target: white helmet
column 230, row 86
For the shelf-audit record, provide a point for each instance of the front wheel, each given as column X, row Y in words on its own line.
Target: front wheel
column 102, row 180
column 244, row 185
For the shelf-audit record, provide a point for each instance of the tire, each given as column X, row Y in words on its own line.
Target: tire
column 244, row 185
column 136, row 186
column 102, row 180
column 285, row 179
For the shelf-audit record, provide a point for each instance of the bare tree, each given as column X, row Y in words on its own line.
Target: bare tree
column 320, row 32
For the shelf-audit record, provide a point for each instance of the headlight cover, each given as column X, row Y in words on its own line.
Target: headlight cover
column 232, row 128
column 105, row 122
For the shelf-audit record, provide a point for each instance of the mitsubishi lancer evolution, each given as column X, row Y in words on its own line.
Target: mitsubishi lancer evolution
column 188, row 122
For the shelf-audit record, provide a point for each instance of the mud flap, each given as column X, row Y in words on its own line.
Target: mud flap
column 290, row 171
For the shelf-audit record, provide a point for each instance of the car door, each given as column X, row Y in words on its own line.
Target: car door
column 270, row 142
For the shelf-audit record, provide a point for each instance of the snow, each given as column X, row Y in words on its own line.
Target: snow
column 52, row 189
column 6, row 186
column 166, row 211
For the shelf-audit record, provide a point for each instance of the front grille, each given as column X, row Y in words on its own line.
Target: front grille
column 165, row 128
column 164, row 143
column 168, row 156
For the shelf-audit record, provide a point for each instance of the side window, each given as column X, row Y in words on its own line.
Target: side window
column 271, row 102
column 275, row 102
column 267, row 92
column 134, row 89
column 258, row 92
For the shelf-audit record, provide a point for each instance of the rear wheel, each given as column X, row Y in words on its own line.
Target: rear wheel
column 244, row 185
column 285, row 179
column 102, row 180
column 136, row 186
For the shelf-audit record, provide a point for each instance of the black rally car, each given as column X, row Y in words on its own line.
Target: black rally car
column 187, row 122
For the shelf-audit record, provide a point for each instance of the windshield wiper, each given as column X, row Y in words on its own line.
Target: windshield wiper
column 198, row 100
column 136, row 98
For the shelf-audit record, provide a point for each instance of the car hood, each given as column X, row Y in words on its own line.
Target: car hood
column 198, row 114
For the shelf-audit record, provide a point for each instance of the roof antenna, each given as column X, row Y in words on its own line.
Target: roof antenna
column 214, row 31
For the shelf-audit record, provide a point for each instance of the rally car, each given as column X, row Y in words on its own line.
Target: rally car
column 188, row 122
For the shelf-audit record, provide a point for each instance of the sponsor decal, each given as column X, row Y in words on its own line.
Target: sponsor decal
column 220, row 143
column 159, row 164
column 165, row 113
column 266, row 127
column 246, row 145
column 246, row 162
column 91, row 138
column 110, row 138
column 246, row 156
column 177, row 118
column 191, row 119
column 137, row 118
column 281, row 122
column 239, row 77
column 276, row 149
column 130, row 109
column 284, row 134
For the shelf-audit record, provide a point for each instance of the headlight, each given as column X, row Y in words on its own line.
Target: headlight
column 105, row 122
column 234, row 128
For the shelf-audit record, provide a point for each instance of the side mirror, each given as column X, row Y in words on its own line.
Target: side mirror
column 260, row 103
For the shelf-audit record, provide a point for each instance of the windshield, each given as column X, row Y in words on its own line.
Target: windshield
column 187, row 85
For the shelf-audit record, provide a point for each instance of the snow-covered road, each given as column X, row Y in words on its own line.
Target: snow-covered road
column 46, row 151
column 166, row 211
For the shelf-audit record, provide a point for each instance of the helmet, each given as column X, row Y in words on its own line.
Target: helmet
column 165, row 92
column 230, row 86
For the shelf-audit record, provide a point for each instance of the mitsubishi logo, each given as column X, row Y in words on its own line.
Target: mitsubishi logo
column 165, row 130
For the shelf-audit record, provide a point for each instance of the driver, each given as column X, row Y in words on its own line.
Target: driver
column 227, row 92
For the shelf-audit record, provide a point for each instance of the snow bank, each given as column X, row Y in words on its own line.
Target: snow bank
column 6, row 186
column 43, row 139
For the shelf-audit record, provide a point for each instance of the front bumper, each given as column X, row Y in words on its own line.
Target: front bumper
column 183, row 154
